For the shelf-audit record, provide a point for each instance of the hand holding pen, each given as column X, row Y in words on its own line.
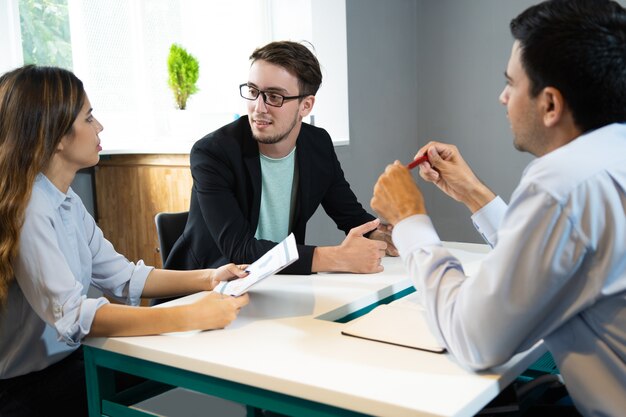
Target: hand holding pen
column 417, row 161
column 448, row 170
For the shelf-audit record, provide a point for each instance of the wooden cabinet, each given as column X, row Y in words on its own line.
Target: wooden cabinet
column 130, row 191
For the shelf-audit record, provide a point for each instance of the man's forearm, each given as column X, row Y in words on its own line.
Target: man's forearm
column 325, row 259
column 478, row 197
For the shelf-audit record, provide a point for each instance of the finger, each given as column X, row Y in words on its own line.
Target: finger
column 392, row 167
column 393, row 170
column 238, row 271
column 372, row 268
column 434, row 157
column 428, row 173
column 380, row 235
column 424, row 149
column 392, row 251
column 364, row 228
column 391, row 247
column 227, row 273
column 242, row 300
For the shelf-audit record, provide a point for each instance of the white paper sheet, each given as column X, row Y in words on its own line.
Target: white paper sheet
column 273, row 261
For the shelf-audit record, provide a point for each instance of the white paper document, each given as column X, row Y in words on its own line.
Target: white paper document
column 402, row 322
column 280, row 256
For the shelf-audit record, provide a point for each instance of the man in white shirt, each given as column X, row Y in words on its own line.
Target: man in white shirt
column 557, row 270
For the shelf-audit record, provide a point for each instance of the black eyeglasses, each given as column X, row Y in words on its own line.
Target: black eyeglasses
column 271, row 99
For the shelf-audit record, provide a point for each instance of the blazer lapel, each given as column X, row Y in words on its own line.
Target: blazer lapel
column 250, row 151
column 304, row 178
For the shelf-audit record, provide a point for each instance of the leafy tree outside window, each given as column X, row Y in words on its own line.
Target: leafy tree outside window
column 45, row 27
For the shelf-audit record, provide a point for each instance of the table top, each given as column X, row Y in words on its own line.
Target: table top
column 286, row 340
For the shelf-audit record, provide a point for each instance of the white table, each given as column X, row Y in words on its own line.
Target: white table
column 286, row 353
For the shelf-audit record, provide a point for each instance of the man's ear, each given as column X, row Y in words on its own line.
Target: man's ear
column 552, row 106
column 306, row 106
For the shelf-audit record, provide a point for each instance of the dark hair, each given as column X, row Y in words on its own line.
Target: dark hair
column 38, row 107
column 295, row 58
column 579, row 48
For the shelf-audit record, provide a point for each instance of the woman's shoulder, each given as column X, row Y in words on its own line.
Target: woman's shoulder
column 42, row 198
column 46, row 199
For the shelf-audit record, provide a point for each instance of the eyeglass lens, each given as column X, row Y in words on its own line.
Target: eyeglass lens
column 251, row 93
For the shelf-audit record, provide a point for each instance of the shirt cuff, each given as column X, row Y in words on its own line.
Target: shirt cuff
column 487, row 220
column 137, row 282
column 74, row 325
column 413, row 233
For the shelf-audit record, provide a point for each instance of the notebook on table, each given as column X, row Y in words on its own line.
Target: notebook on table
column 402, row 322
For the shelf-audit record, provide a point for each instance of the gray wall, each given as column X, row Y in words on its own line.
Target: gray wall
column 422, row 70
column 382, row 87
column 463, row 51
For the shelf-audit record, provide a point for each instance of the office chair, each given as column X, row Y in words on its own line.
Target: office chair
column 538, row 392
column 169, row 227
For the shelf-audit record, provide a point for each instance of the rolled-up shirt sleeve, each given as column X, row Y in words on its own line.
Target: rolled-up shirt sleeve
column 113, row 273
column 74, row 321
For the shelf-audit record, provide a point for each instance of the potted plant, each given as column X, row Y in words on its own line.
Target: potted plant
column 183, row 70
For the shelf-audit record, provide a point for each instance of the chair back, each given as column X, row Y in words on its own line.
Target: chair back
column 169, row 228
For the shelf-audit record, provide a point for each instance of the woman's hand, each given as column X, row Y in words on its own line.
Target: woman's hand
column 226, row 273
column 216, row 311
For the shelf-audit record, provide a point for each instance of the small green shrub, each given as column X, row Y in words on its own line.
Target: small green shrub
column 183, row 70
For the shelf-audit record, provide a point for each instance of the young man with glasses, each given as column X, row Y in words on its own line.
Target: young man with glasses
column 263, row 176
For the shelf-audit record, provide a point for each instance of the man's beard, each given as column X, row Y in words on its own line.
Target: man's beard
column 270, row 140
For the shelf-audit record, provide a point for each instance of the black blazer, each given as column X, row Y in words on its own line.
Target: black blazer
column 226, row 198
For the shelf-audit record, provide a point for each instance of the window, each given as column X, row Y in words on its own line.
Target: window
column 119, row 48
column 45, row 30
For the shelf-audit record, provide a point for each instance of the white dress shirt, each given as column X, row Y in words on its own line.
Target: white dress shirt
column 557, row 271
column 62, row 251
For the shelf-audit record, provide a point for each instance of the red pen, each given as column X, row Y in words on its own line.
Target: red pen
column 417, row 161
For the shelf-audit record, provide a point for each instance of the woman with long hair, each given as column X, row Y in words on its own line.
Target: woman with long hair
column 51, row 251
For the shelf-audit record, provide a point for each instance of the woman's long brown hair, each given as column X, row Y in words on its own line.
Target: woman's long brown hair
column 38, row 106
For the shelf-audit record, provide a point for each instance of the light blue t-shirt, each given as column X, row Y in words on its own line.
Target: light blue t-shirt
column 276, row 192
